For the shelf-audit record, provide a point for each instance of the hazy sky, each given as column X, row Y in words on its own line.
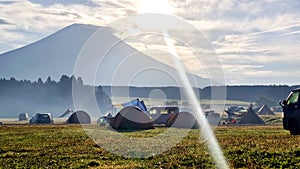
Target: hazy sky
column 257, row 40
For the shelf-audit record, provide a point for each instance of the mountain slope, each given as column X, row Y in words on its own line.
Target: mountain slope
column 106, row 60
column 51, row 56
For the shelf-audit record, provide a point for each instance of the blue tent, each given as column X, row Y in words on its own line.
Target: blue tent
column 136, row 103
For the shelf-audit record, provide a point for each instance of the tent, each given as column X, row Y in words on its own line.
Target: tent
column 132, row 118
column 250, row 117
column 79, row 117
column 137, row 103
column 265, row 110
column 65, row 113
column 182, row 120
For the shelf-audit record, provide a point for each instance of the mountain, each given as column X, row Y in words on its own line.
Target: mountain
column 52, row 56
column 92, row 53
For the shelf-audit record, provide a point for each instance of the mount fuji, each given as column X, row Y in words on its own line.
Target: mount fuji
column 106, row 60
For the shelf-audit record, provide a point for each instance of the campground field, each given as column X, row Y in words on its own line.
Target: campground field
column 68, row 146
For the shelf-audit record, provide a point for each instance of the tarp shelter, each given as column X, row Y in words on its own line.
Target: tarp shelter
column 265, row 110
column 79, row 117
column 132, row 118
column 66, row 113
column 250, row 117
column 182, row 120
column 105, row 119
column 229, row 113
column 136, row 103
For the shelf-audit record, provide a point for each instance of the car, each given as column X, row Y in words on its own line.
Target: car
column 42, row 118
column 161, row 114
column 291, row 112
column 23, row 116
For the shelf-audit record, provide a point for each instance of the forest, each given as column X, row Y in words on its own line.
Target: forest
column 19, row 96
column 260, row 94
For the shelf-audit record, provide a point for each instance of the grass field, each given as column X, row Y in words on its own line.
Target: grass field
column 68, row 146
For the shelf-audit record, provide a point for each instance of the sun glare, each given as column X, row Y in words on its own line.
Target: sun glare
column 153, row 6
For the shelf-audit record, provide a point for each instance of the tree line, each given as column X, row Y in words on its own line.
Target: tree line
column 19, row 96
column 260, row 94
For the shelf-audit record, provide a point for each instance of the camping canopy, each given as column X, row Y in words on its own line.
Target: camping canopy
column 182, row 120
column 132, row 118
column 136, row 103
column 265, row 110
column 79, row 117
column 250, row 117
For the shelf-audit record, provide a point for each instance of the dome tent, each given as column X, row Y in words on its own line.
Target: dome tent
column 79, row 117
column 182, row 120
column 132, row 118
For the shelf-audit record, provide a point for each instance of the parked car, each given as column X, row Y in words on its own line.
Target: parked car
column 160, row 115
column 291, row 112
column 23, row 116
column 42, row 118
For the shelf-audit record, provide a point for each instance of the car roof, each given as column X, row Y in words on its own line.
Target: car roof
column 296, row 90
column 167, row 106
column 44, row 114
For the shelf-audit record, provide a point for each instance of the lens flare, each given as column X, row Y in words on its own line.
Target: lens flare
column 112, row 60
column 206, row 131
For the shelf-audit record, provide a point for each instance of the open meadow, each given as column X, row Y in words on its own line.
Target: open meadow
column 68, row 146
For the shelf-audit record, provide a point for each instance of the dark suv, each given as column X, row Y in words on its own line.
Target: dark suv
column 291, row 112
column 42, row 118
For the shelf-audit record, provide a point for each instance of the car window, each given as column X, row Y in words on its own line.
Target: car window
column 171, row 111
column 293, row 98
column 164, row 111
column 153, row 111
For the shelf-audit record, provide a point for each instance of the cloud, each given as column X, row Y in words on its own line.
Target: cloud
column 7, row 2
column 3, row 22
column 35, row 19
column 269, row 42
column 290, row 33
column 47, row 3
column 254, row 39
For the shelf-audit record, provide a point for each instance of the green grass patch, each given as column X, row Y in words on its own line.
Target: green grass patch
column 68, row 146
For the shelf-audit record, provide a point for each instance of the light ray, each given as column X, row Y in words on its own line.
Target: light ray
column 206, row 131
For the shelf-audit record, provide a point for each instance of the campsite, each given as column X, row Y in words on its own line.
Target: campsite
column 149, row 84
column 256, row 140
